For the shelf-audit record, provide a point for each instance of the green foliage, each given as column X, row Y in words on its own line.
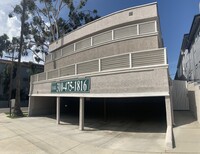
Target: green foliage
column 45, row 24
column 4, row 44
column 6, row 77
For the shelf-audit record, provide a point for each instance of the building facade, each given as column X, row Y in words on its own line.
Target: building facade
column 120, row 55
column 27, row 69
column 188, row 67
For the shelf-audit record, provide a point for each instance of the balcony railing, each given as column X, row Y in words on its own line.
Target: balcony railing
column 133, row 60
column 111, row 35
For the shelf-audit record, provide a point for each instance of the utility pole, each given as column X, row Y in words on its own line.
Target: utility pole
column 17, row 110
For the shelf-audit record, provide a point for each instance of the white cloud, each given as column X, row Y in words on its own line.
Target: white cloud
column 9, row 26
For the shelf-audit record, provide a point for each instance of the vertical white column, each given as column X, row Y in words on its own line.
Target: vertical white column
column 165, row 55
column 76, row 72
column 91, row 43
column 169, row 132
column 156, row 28
column 99, row 65
column 81, row 114
column 138, row 30
column 74, row 46
column 113, row 35
column 58, row 110
column 61, row 54
column 130, row 60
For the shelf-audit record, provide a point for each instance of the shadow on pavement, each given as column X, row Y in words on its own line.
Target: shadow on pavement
column 183, row 117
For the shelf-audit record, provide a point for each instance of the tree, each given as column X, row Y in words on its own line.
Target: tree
column 49, row 21
column 17, row 110
column 42, row 21
column 4, row 44
column 6, row 77
column 9, row 73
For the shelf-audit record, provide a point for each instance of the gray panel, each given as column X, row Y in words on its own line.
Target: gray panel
column 180, row 95
column 125, row 32
column 131, row 82
column 68, row 49
column 116, row 62
column 53, row 74
column 69, row 70
column 58, row 54
column 83, row 44
column 105, row 37
column 92, row 66
column 148, row 58
column 34, row 78
column 42, row 76
column 48, row 58
column 147, row 28
column 49, row 66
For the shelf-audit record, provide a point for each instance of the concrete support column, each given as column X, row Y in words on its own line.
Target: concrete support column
column 171, row 102
column 58, row 110
column 30, row 105
column 169, row 132
column 81, row 114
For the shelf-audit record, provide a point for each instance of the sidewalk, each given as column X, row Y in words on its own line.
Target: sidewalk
column 41, row 135
column 186, row 133
column 7, row 110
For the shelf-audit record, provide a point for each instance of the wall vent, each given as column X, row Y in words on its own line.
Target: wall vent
column 130, row 13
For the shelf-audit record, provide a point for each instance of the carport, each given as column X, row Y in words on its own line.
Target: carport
column 161, row 106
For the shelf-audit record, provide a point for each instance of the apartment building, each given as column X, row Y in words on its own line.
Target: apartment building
column 27, row 69
column 120, row 55
column 188, row 67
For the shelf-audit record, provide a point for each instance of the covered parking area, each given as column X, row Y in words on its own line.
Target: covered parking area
column 133, row 114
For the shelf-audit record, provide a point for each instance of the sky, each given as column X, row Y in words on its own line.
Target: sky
column 176, row 17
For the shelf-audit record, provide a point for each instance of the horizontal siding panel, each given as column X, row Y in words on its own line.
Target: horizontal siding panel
column 146, row 64
column 68, row 49
column 87, row 67
column 116, row 62
column 34, row 77
column 58, row 54
column 52, row 74
column 148, row 58
column 42, row 76
column 69, row 70
column 48, row 58
column 125, row 32
column 105, row 37
column 147, row 28
column 149, row 54
column 83, row 44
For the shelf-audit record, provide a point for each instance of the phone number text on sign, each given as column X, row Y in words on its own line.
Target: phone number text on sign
column 76, row 85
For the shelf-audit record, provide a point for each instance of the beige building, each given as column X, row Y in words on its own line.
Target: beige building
column 120, row 55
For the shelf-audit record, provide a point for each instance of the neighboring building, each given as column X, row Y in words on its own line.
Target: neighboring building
column 120, row 55
column 188, row 67
column 27, row 69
